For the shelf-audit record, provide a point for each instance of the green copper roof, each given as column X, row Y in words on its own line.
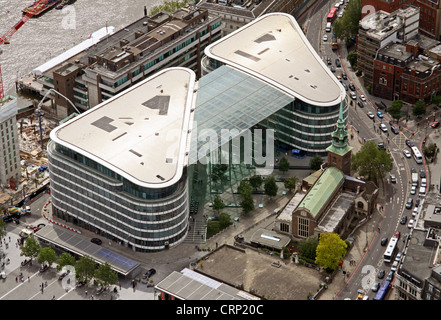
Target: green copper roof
column 322, row 190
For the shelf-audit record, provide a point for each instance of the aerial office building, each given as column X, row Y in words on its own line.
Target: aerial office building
column 10, row 169
column 121, row 172
column 274, row 51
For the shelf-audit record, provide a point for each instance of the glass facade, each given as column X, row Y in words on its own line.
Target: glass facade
column 94, row 197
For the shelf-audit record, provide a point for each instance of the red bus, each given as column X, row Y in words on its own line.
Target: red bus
column 332, row 15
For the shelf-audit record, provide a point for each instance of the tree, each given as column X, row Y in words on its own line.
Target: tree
column 2, row 228
column 30, row 248
column 352, row 58
column 290, row 183
column 436, row 100
column 245, row 187
column 65, row 259
column 256, row 181
column 308, row 248
column 419, row 108
column 85, row 269
column 105, row 276
column 395, row 109
column 315, row 162
column 283, row 165
column 371, row 162
column 47, row 255
column 330, row 250
column 270, row 186
column 430, row 151
column 347, row 26
column 224, row 220
column 247, row 203
column 218, row 203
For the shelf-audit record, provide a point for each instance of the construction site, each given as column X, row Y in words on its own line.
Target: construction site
column 26, row 130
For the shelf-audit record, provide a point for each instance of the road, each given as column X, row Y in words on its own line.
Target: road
column 393, row 196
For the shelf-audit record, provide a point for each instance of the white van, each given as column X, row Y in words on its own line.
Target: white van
column 328, row 27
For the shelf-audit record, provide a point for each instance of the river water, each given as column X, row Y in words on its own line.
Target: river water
column 47, row 36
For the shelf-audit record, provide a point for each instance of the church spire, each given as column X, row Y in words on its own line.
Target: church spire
column 340, row 135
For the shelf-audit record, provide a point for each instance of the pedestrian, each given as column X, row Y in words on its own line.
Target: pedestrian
column 85, row 292
column 16, row 279
column 29, row 279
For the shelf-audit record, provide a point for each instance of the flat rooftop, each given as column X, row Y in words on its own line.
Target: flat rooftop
column 274, row 49
column 141, row 133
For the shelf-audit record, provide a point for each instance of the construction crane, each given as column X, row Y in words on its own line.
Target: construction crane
column 5, row 38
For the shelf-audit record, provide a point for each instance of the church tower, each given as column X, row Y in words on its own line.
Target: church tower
column 339, row 152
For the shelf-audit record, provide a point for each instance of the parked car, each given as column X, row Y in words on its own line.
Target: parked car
column 360, row 104
column 344, row 76
column 383, row 127
column 325, row 37
column 337, row 63
column 398, row 257
column 435, row 124
column 410, row 224
column 380, row 114
column 417, row 202
column 150, row 273
column 413, row 190
column 362, row 98
column 329, row 61
column 415, row 212
column 403, row 220
column 394, row 266
column 422, row 173
column 370, row 115
column 409, row 203
column 345, row 86
column 96, row 241
column 352, row 87
column 353, row 95
column 332, row 69
column 61, row 277
column 390, row 276
column 407, row 153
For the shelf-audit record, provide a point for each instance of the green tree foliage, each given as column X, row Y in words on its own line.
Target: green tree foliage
column 419, row 108
column 430, row 151
column 315, row 162
column 65, row 259
column 168, row 6
column 283, row 165
column 308, row 248
column 245, row 187
column 256, row 182
column 346, row 27
column 352, row 58
column 85, row 269
column 224, row 220
column 330, row 250
column 270, row 186
column 30, row 248
column 47, row 255
column 218, row 172
column 371, row 162
column 290, row 183
column 395, row 109
column 104, row 275
column 218, row 203
column 436, row 100
column 247, row 203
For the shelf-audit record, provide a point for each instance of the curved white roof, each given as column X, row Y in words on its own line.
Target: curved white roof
column 142, row 133
column 274, row 49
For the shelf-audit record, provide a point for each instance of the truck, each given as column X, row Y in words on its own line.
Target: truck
column 25, row 233
column 415, row 179
column 334, row 43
